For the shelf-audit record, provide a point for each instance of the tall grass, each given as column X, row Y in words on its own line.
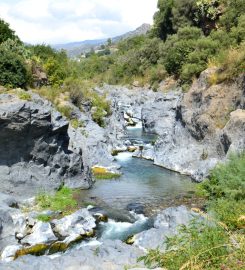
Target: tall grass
column 219, row 241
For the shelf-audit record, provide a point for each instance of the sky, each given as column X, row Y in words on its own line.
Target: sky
column 63, row 21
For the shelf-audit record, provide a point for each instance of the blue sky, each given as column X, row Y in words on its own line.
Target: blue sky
column 62, row 21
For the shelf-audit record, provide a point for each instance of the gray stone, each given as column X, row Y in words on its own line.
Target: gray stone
column 166, row 224
column 78, row 223
column 40, row 234
column 34, row 150
column 9, row 252
column 111, row 255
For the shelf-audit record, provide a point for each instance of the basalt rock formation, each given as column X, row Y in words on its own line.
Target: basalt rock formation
column 34, row 148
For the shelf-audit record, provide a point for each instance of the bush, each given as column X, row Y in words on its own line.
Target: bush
column 231, row 63
column 227, row 180
column 6, row 33
column 197, row 246
column 229, row 212
column 13, row 69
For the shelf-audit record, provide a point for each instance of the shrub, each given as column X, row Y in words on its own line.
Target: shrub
column 229, row 212
column 197, row 246
column 13, row 69
column 6, row 33
column 227, row 180
column 231, row 63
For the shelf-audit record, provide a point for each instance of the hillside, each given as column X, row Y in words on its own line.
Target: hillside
column 77, row 48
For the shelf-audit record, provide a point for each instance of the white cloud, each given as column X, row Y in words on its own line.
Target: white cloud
column 59, row 21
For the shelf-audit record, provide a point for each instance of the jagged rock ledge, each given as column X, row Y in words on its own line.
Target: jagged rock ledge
column 34, row 148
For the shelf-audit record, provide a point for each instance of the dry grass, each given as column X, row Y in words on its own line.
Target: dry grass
column 103, row 173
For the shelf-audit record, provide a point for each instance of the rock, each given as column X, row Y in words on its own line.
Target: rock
column 234, row 132
column 41, row 234
column 8, row 220
column 8, row 254
column 172, row 217
column 165, row 225
column 138, row 208
column 34, row 150
column 113, row 255
column 132, row 148
column 79, row 223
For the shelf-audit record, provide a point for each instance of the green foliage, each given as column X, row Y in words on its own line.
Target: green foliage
column 65, row 110
column 76, row 123
column 6, row 32
column 62, row 200
column 207, row 13
column 229, row 212
column 231, row 61
column 218, row 242
column 16, row 47
column 163, row 19
column 233, row 10
column 44, row 52
column 101, row 109
column 198, row 246
column 43, row 218
column 227, row 180
column 186, row 36
column 80, row 91
column 13, row 69
column 24, row 95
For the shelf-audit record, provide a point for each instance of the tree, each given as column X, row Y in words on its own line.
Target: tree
column 109, row 42
column 207, row 14
column 6, row 33
column 163, row 19
column 13, row 69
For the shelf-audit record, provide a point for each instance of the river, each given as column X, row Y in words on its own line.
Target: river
column 141, row 182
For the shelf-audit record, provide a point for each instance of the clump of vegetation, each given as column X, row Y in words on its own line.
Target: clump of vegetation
column 24, row 95
column 75, row 123
column 200, row 246
column 219, row 242
column 44, row 218
column 63, row 200
column 226, row 180
column 101, row 173
column 65, row 110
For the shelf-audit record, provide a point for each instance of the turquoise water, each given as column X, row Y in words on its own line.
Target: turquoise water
column 141, row 180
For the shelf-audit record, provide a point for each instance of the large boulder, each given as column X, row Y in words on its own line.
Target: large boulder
column 165, row 225
column 34, row 151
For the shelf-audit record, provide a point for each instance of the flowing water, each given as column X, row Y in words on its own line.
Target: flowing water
column 141, row 182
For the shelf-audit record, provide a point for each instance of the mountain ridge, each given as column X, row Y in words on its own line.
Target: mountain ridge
column 76, row 48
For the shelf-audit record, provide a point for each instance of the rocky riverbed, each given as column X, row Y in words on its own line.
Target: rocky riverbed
column 40, row 151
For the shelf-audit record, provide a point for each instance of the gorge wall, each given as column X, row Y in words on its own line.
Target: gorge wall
column 34, row 148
